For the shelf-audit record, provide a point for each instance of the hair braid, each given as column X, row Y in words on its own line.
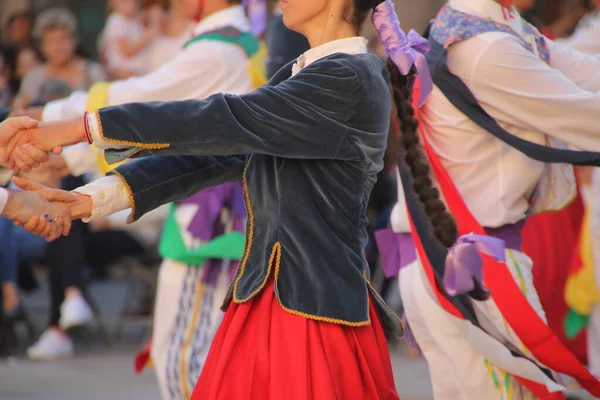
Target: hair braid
column 444, row 227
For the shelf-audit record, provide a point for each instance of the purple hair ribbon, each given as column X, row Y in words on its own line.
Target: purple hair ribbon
column 404, row 50
column 257, row 14
column 463, row 262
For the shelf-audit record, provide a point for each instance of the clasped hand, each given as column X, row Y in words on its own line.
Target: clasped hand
column 25, row 143
column 44, row 211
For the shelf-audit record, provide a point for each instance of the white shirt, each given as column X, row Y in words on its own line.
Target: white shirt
column 586, row 37
column 165, row 48
column 110, row 194
column 190, row 75
column 3, row 199
column 527, row 97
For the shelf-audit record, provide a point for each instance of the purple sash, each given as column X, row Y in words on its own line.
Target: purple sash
column 397, row 250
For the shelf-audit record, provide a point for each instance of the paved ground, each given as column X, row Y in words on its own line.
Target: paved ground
column 106, row 373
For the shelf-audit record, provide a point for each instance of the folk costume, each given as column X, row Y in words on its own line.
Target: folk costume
column 492, row 74
column 301, row 316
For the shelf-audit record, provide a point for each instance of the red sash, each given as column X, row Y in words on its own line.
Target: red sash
column 522, row 318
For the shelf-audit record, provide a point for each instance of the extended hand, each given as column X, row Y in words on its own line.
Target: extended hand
column 12, row 126
column 30, row 147
column 45, row 215
column 79, row 205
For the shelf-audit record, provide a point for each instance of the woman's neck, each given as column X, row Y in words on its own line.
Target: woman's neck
column 331, row 24
column 333, row 30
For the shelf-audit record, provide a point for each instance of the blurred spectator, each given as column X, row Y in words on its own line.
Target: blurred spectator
column 17, row 34
column 17, row 246
column 586, row 37
column 18, row 29
column 56, row 31
column 5, row 92
column 124, row 43
column 176, row 29
column 572, row 13
column 27, row 58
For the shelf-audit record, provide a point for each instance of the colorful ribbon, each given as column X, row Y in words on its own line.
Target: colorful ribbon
column 463, row 262
column 404, row 50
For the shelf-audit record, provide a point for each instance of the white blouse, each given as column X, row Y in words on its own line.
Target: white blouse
column 527, row 97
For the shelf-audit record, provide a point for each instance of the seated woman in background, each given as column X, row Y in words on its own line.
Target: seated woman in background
column 56, row 31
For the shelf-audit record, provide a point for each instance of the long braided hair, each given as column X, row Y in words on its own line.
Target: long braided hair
column 444, row 226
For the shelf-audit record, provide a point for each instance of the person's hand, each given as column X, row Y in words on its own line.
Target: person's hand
column 44, row 215
column 30, row 147
column 12, row 126
column 79, row 205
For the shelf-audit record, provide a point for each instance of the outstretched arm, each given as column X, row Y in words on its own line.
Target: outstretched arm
column 303, row 117
column 148, row 183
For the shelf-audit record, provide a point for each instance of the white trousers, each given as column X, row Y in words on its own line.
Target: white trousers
column 465, row 363
column 186, row 318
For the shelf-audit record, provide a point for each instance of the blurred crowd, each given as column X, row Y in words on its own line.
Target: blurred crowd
column 41, row 59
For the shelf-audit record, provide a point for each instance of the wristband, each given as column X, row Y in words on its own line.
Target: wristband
column 88, row 135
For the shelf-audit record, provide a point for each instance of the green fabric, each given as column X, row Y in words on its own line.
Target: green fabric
column 231, row 35
column 227, row 246
column 575, row 323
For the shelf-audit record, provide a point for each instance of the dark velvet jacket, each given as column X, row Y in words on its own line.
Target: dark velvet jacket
column 308, row 150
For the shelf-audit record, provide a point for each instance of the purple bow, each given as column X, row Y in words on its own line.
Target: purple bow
column 257, row 14
column 463, row 262
column 404, row 50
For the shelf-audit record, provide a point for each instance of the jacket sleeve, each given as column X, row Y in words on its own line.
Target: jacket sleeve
column 154, row 181
column 303, row 117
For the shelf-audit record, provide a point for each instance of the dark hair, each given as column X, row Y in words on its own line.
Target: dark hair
column 443, row 224
column 24, row 14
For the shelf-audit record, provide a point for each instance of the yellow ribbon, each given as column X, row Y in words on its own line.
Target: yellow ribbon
column 581, row 293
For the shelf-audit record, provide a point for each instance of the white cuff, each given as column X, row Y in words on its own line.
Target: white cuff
column 109, row 195
column 3, row 199
column 80, row 159
column 95, row 132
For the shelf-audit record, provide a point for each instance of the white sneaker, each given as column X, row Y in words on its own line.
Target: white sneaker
column 74, row 311
column 51, row 346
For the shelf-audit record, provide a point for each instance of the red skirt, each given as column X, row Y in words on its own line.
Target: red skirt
column 550, row 240
column 262, row 352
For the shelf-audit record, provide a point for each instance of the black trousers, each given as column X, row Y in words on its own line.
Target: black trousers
column 67, row 256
